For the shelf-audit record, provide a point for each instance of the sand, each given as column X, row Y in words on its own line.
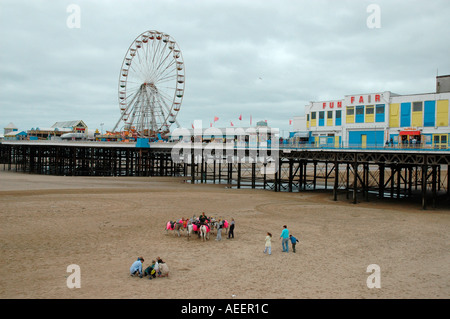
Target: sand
column 102, row 224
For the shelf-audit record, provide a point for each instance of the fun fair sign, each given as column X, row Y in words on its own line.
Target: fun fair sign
column 350, row 100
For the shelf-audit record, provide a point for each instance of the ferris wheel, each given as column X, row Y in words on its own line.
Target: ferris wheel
column 151, row 85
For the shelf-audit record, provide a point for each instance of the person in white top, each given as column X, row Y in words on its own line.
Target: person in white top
column 268, row 246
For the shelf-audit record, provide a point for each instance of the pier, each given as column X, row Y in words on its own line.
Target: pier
column 359, row 174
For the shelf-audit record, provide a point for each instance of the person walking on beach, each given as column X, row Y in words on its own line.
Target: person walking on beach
column 136, row 267
column 293, row 242
column 268, row 245
column 285, row 239
column 219, row 231
column 231, row 231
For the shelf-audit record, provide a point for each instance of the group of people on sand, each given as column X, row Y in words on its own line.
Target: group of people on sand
column 285, row 238
column 158, row 268
column 210, row 222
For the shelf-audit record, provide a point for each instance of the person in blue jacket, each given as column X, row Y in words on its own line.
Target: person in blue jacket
column 136, row 267
column 285, row 239
column 293, row 242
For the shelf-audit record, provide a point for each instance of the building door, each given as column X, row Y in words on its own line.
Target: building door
column 363, row 140
column 440, row 141
column 336, row 141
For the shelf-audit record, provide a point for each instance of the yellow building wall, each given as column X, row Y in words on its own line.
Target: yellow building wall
column 350, row 118
column 442, row 113
column 329, row 121
column 394, row 115
column 417, row 119
column 370, row 118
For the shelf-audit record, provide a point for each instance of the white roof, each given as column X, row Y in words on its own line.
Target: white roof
column 67, row 124
column 10, row 125
column 52, row 129
column 15, row 133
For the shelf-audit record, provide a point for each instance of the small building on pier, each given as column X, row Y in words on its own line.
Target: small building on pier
column 58, row 129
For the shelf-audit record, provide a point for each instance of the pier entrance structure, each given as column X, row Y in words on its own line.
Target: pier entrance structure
column 355, row 174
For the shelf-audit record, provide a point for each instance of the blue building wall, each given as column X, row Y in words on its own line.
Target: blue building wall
column 338, row 120
column 405, row 114
column 321, row 118
column 359, row 118
column 374, row 138
column 429, row 116
column 379, row 117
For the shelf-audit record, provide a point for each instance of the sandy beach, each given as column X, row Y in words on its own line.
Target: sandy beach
column 103, row 224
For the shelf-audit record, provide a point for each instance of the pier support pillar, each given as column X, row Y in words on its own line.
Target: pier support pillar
column 336, row 178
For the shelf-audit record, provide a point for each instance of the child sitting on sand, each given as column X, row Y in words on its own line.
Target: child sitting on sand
column 163, row 268
column 150, row 270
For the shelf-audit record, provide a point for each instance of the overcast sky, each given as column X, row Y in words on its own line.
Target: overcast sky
column 262, row 58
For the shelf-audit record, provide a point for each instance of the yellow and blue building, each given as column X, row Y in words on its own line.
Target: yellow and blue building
column 382, row 119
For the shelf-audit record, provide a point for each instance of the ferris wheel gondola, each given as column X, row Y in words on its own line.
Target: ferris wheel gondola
column 151, row 84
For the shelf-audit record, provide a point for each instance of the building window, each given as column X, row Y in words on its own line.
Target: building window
column 329, row 118
column 350, row 114
column 313, row 119
column 338, row 118
column 360, row 110
column 417, row 116
column 359, row 114
column 370, row 117
column 321, row 118
column 417, row 106
column 379, row 113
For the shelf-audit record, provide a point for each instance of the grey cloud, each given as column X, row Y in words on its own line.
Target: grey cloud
column 262, row 58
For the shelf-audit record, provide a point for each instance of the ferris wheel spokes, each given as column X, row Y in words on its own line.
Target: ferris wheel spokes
column 151, row 84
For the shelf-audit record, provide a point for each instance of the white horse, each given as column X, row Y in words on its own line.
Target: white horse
column 190, row 230
column 204, row 234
